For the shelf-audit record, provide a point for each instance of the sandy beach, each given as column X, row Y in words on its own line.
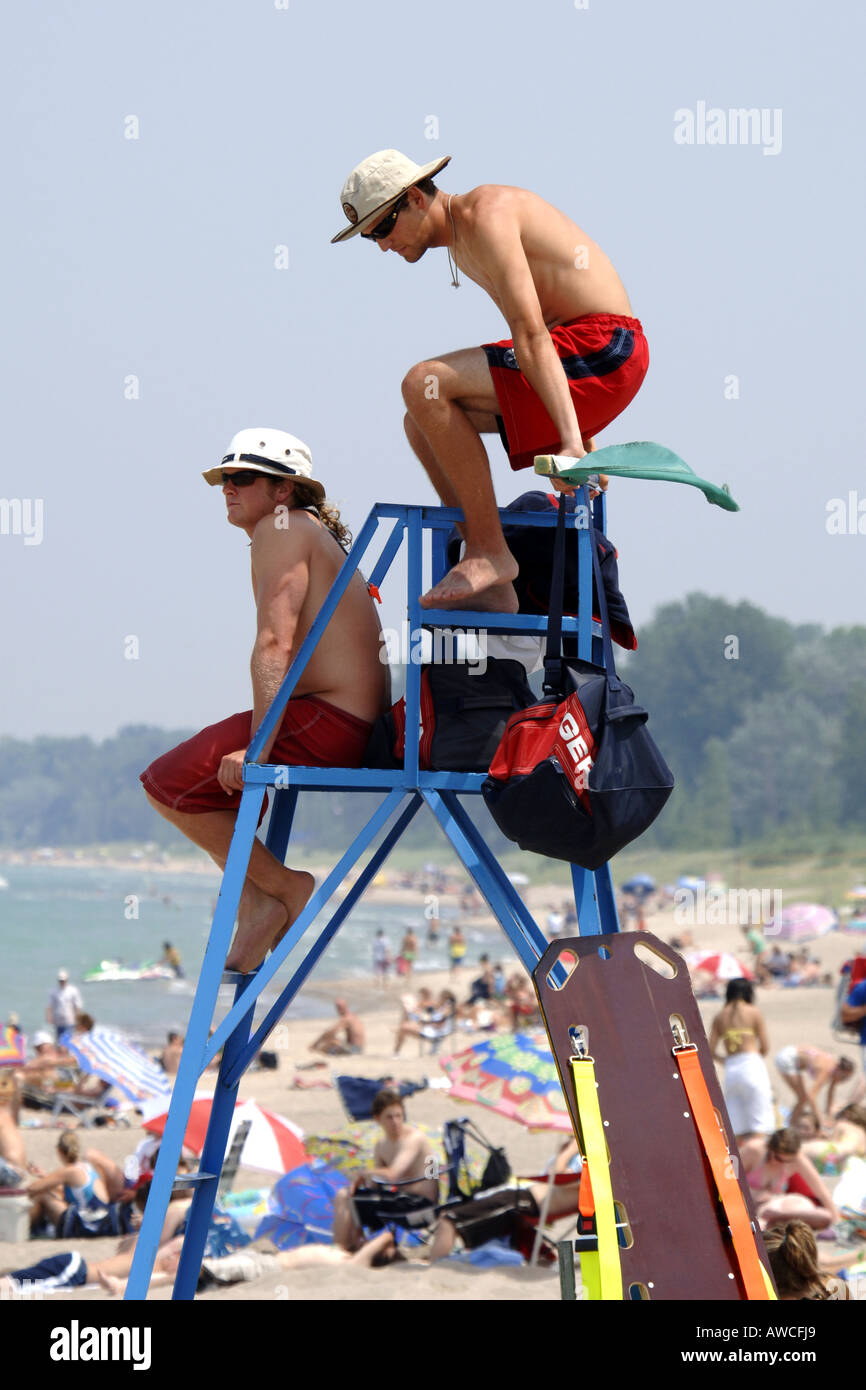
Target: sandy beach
column 795, row 1016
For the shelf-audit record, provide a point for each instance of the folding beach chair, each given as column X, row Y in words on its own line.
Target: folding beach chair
column 357, row 1093
column 388, row 1206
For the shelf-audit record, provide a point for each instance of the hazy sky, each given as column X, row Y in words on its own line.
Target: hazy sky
column 155, row 258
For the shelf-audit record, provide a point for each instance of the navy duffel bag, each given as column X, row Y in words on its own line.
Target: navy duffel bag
column 577, row 776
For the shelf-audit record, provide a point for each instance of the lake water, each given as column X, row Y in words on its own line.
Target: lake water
column 76, row 917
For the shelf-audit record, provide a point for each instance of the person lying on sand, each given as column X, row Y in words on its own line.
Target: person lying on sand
column 245, row 1265
column 71, row 1269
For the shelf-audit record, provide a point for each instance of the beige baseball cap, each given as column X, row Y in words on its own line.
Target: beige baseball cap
column 267, row 451
column 376, row 183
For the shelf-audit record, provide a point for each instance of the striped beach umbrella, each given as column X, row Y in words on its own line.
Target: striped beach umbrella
column 273, row 1143
column 721, row 965
column 112, row 1057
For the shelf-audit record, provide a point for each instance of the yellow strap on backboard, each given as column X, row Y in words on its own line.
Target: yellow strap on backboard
column 607, row 1284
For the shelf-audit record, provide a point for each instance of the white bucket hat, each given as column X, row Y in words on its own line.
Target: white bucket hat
column 376, row 184
column 267, row 451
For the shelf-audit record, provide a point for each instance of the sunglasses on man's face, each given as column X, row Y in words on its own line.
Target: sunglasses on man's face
column 386, row 226
column 243, row 478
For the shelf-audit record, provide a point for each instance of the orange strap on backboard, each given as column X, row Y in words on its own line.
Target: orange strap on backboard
column 585, row 1199
column 755, row 1281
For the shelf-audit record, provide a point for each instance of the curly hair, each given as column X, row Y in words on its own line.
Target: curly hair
column 304, row 496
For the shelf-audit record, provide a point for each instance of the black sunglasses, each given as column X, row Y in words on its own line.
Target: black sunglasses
column 243, row 478
column 386, row 226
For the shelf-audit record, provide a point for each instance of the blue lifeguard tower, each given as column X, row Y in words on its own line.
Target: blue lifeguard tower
column 667, row 1214
column 404, row 791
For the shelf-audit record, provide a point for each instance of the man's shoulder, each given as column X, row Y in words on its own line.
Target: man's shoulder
column 285, row 530
column 858, row 993
column 414, row 1136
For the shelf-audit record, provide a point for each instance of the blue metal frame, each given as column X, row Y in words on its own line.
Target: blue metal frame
column 594, row 898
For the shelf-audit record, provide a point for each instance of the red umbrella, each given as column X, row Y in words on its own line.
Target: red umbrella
column 720, row 964
column 273, row 1143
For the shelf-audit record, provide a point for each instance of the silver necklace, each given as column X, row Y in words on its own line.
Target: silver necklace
column 454, row 277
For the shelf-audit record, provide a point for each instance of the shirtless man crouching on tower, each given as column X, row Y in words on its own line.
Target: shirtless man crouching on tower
column 298, row 544
column 574, row 360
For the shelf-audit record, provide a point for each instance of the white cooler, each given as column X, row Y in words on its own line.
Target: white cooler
column 14, row 1217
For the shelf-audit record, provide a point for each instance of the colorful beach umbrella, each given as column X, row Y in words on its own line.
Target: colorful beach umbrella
column 301, row 1206
column 721, row 965
column 513, row 1074
column 801, row 922
column 110, row 1056
column 351, row 1147
column 273, row 1144
column 13, row 1047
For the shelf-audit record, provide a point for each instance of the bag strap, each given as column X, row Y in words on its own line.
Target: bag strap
column 553, row 662
column 553, row 667
column 613, row 680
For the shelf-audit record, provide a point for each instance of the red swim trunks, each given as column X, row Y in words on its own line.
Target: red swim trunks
column 605, row 357
column 313, row 734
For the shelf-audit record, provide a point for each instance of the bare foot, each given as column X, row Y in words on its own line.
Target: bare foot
column 259, row 919
column 306, row 884
column 263, row 921
column 472, row 577
column 499, row 598
column 109, row 1282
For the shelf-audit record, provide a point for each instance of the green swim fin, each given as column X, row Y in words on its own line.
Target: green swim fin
column 639, row 460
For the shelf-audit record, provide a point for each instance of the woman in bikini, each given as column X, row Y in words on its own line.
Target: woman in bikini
column 772, row 1166
column 739, row 1029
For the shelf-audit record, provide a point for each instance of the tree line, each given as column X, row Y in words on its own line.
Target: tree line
column 762, row 721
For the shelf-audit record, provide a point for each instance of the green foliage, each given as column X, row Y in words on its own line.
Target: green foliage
column 766, row 735
column 850, row 764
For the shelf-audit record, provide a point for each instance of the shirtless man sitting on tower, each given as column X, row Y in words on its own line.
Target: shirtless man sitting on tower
column 573, row 362
column 298, row 545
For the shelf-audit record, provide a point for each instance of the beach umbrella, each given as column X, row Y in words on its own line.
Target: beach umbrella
column 351, row 1147
column 858, row 894
column 722, row 965
column 273, row 1144
column 513, row 1074
column 12, row 1047
column 108, row 1055
column 639, row 884
column 801, row 922
column 690, row 884
column 301, row 1206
